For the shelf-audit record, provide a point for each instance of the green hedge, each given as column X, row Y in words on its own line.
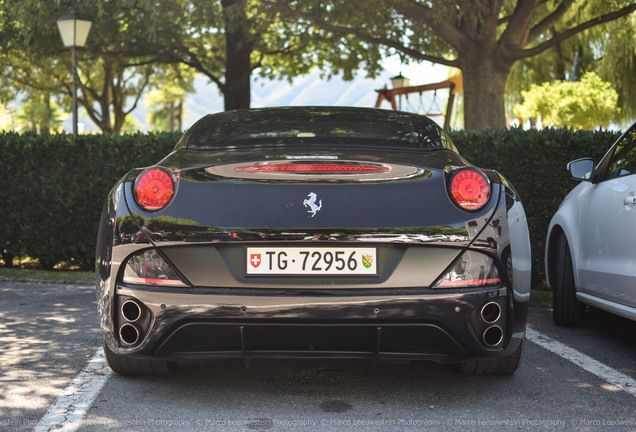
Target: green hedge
column 53, row 187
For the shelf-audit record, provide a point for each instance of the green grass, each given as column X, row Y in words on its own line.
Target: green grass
column 47, row 275
column 540, row 298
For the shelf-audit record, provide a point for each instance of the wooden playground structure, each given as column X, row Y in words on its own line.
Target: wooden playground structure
column 453, row 84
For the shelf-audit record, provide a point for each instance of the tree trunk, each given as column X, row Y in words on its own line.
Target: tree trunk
column 180, row 116
column 46, row 125
column 7, row 257
column 560, row 64
column 484, row 73
column 171, row 116
column 238, row 48
column 120, row 121
column 90, row 99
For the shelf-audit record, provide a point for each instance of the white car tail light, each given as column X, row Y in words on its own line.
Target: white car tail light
column 149, row 268
column 471, row 269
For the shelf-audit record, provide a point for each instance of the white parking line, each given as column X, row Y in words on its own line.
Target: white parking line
column 70, row 407
column 606, row 373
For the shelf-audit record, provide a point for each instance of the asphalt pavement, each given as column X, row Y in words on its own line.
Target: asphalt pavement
column 574, row 379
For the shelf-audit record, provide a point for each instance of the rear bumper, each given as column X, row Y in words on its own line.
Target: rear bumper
column 440, row 325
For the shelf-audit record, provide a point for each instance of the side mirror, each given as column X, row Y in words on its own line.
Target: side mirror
column 581, row 169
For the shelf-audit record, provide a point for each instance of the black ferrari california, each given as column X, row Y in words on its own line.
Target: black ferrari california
column 313, row 232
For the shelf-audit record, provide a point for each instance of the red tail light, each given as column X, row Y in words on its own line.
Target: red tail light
column 314, row 168
column 154, row 189
column 470, row 189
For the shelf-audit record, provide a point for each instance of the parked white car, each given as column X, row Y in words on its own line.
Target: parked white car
column 590, row 254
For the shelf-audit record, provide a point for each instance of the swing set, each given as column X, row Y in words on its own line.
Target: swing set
column 453, row 84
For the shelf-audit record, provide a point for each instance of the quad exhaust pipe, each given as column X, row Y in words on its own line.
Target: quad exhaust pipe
column 133, row 321
column 490, row 314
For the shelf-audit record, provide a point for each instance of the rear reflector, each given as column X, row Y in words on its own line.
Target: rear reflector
column 314, row 168
column 468, row 283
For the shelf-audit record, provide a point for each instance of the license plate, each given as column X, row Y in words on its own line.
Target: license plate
column 311, row 261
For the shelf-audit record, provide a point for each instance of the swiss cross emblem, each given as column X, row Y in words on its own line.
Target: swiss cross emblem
column 255, row 260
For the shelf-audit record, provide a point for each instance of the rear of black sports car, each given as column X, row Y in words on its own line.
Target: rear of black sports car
column 313, row 232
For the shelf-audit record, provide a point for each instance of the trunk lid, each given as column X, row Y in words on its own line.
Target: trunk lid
column 257, row 190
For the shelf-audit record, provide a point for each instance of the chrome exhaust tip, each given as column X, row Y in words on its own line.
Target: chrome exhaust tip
column 128, row 334
column 493, row 336
column 491, row 312
column 131, row 311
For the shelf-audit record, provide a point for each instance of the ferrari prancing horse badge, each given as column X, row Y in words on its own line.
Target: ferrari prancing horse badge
column 311, row 203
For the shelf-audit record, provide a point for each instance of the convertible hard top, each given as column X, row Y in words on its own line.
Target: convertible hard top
column 340, row 126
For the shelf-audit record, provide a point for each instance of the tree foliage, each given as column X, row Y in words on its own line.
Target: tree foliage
column 226, row 40
column 110, row 81
column 230, row 40
column 483, row 38
column 38, row 113
column 584, row 104
column 608, row 50
column 615, row 55
column 165, row 103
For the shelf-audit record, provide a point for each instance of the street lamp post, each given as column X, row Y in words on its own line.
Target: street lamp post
column 74, row 31
column 398, row 82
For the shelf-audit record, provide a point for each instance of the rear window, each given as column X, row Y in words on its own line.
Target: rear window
column 315, row 126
